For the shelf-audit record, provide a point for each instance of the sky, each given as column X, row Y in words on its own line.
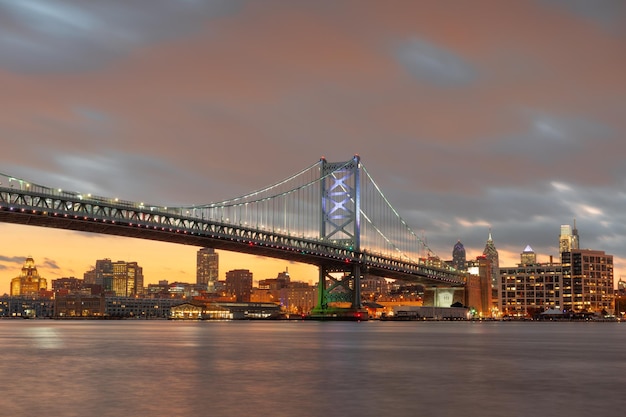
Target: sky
column 489, row 115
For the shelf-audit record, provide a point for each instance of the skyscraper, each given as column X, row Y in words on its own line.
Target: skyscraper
column 568, row 239
column 125, row 279
column 459, row 260
column 207, row 268
column 492, row 254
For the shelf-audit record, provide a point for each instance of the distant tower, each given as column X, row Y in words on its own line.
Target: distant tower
column 207, row 268
column 528, row 257
column 29, row 282
column 492, row 254
column 565, row 238
column 568, row 239
column 459, row 261
column 575, row 241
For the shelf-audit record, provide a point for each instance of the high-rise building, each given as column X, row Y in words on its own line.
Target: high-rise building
column 28, row 282
column 124, row 279
column 459, row 260
column 587, row 281
column 568, row 239
column 207, row 268
column 127, row 279
column 239, row 284
column 492, row 254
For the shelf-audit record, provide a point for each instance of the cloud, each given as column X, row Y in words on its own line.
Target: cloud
column 13, row 259
column 50, row 263
column 434, row 64
column 607, row 14
column 38, row 36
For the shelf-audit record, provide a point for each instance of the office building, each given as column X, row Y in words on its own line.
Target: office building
column 239, row 284
column 530, row 287
column 123, row 279
column 588, row 281
column 459, row 259
column 207, row 268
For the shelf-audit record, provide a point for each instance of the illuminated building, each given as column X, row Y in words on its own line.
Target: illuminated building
column 124, row 279
column 530, row 287
column 478, row 289
column 582, row 283
column 492, row 254
column 298, row 297
column 568, row 239
column 281, row 281
column 458, row 257
column 528, row 256
column 67, row 285
column 207, row 268
column 587, row 281
column 78, row 305
column 239, row 284
column 28, row 282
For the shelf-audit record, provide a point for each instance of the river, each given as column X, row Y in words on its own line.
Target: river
column 307, row 368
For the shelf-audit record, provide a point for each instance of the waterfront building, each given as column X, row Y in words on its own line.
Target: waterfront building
column 293, row 296
column 530, row 287
column 372, row 287
column 207, row 268
column 492, row 254
column 588, row 281
column 29, row 282
column 79, row 305
column 582, row 283
column 239, row 284
column 141, row 308
column 478, row 289
column 298, row 297
column 459, row 259
column 26, row 307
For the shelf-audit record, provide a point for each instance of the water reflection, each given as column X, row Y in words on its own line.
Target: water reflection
column 163, row 368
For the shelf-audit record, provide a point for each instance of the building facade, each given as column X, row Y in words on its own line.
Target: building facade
column 459, row 259
column 29, row 282
column 207, row 268
column 588, row 281
column 120, row 278
column 239, row 284
column 530, row 287
column 582, row 283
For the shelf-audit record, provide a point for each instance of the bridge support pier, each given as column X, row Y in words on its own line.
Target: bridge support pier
column 339, row 298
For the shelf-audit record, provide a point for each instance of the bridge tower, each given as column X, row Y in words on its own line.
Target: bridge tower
column 340, row 297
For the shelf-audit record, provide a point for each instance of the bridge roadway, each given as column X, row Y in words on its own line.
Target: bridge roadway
column 72, row 211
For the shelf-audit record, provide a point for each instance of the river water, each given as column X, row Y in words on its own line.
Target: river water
column 258, row 368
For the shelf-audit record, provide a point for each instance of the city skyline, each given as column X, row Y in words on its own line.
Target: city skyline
column 500, row 116
column 304, row 272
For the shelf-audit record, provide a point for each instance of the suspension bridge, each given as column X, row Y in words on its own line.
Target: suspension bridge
column 331, row 214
